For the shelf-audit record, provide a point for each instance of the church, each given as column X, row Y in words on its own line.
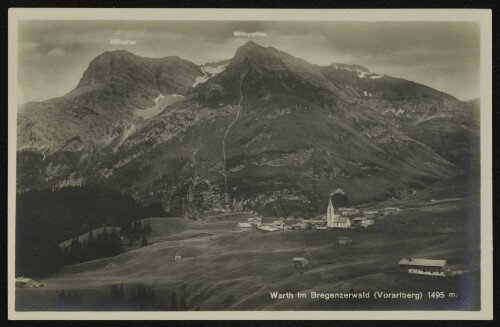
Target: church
column 335, row 221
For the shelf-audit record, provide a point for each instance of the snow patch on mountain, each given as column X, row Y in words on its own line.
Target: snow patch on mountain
column 209, row 71
column 365, row 74
column 162, row 101
column 362, row 74
column 159, row 97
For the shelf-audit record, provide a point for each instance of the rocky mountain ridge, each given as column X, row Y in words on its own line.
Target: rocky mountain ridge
column 263, row 131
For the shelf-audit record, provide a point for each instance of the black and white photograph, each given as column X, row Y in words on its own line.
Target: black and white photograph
column 249, row 163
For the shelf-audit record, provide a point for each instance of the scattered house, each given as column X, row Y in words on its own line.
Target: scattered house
column 177, row 258
column 317, row 222
column 370, row 213
column 390, row 210
column 362, row 221
column 290, row 218
column 268, row 227
column 255, row 221
column 242, row 227
column 344, row 240
column 335, row 221
column 425, row 266
column 280, row 224
column 299, row 226
column 299, row 262
column 27, row 283
column 287, row 227
column 348, row 211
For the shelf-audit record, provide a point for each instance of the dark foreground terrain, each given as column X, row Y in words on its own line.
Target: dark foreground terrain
column 222, row 269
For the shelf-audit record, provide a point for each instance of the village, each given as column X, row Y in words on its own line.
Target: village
column 346, row 218
column 342, row 219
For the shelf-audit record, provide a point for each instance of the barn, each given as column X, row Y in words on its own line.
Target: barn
column 299, row 262
column 425, row 266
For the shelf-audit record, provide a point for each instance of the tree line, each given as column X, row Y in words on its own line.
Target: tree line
column 95, row 247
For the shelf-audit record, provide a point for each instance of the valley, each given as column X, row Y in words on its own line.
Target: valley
column 197, row 150
column 222, row 269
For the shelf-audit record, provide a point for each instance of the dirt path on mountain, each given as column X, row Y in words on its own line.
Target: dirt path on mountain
column 224, row 171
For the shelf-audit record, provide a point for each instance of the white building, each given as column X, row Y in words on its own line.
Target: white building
column 268, row 228
column 27, row 283
column 241, row 227
column 362, row 221
column 335, row 221
column 425, row 266
column 256, row 221
column 348, row 211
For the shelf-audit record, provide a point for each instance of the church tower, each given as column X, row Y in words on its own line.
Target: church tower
column 329, row 214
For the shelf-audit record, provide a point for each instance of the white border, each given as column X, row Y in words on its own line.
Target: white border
column 483, row 16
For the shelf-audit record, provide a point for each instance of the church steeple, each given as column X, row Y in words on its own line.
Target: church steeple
column 330, row 211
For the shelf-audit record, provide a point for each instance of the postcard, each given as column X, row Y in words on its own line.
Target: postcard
column 250, row 164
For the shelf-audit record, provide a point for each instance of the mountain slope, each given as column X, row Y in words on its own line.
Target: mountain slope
column 98, row 114
column 269, row 132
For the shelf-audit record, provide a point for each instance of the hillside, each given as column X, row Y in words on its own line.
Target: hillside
column 222, row 269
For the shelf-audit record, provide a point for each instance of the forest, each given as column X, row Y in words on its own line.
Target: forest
column 45, row 218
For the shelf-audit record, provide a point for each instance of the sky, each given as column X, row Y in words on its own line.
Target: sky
column 53, row 55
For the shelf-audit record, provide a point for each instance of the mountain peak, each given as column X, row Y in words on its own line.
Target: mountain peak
column 251, row 44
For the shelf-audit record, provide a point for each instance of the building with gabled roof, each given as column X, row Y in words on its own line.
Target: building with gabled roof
column 256, row 221
column 24, row 282
column 241, row 227
column 299, row 262
column 428, row 267
column 371, row 213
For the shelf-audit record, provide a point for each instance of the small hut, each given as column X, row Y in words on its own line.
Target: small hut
column 299, row 262
column 344, row 240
